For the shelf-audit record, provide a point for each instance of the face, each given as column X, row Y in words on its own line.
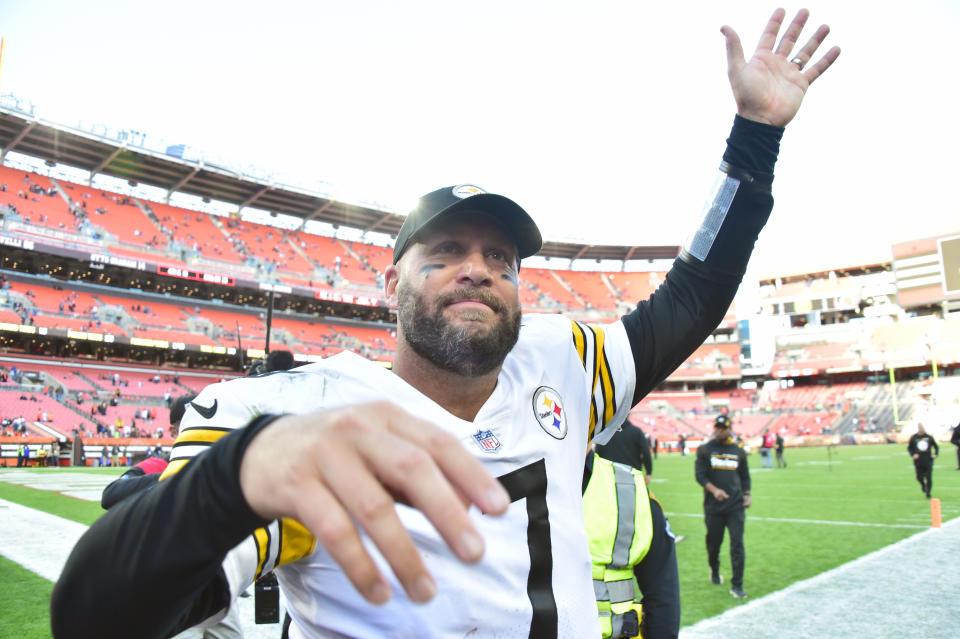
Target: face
column 456, row 295
column 722, row 433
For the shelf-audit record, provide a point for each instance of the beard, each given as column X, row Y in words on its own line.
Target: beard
column 462, row 350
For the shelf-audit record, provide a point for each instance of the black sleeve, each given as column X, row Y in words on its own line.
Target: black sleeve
column 127, row 484
column 695, row 294
column 744, row 469
column 659, row 579
column 152, row 563
column 701, row 467
column 936, row 447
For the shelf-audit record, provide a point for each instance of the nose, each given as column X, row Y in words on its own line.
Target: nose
column 474, row 270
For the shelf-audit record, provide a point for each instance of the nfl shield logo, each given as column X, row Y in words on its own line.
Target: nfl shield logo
column 487, row 440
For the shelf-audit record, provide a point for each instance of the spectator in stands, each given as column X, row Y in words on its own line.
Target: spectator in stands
column 721, row 469
column 924, row 449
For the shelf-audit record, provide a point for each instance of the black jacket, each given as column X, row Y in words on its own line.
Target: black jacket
column 725, row 466
column 923, row 446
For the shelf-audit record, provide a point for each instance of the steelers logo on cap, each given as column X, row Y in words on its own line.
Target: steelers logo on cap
column 464, row 191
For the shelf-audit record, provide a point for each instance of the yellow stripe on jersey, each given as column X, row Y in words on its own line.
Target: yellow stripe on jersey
column 589, row 341
column 606, row 380
column 197, row 436
column 262, row 537
column 201, row 435
column 296, row 542
column 173, row 468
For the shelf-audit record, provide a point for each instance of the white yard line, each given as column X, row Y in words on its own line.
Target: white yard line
column 828, row 522
column 901, row 589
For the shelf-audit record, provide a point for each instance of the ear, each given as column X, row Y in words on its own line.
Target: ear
column 391, row 278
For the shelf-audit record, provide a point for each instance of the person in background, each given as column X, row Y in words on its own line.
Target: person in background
column 923, row 449
column 955, row 440
column 632, row 549
column 631, row 447
column 766, row 447
column 781, row 462
column 721, row 468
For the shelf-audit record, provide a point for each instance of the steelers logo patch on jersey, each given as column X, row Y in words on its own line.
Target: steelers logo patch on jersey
column 548, row 408
column 923, row 445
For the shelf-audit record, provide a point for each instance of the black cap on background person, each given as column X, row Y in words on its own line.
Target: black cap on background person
column 516, row 222
column 178, row 407
column 279, row 361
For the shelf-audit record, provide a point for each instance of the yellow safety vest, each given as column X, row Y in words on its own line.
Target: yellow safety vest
column 616, row 512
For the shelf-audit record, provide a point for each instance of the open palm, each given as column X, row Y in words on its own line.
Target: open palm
column 769, row 88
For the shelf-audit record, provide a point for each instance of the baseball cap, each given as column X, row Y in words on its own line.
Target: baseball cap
column 722, row 421
column 518, row 225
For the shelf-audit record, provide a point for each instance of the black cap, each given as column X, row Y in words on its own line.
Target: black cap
column 515, row 221
column 178, row 407
column 722, row 421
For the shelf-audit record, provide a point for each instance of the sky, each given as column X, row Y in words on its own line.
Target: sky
column 606, row 119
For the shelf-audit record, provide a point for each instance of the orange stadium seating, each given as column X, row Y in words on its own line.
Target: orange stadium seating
column 44, row 207
column 118, row 215
column 591, row 288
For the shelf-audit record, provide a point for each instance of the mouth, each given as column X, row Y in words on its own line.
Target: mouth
column 472, row 301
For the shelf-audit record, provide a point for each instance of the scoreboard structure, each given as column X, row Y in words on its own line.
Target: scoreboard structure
column 927, row 271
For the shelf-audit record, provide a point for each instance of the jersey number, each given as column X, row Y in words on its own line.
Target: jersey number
column 530, row 483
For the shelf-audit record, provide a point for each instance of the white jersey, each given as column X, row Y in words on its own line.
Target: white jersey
column 562, row 382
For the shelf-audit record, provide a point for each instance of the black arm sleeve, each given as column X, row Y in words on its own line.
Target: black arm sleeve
column 744, row 469
column 695, row 295
column 645, row 455
column 659, row 579
column 127, row 484
column 152, row 563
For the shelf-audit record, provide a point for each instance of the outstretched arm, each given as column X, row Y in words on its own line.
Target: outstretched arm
column 698, row 290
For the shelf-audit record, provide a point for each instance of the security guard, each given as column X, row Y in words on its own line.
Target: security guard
column 635, row 575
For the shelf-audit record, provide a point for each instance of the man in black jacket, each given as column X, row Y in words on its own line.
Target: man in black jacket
column 721, row 469
column 924, row 449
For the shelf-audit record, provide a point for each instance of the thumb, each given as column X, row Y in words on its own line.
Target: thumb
column 734, row 49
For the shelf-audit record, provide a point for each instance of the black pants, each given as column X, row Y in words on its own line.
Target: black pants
column 716, row 523
column 925, row 477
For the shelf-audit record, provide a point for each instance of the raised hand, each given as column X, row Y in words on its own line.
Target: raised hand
column 770, row 86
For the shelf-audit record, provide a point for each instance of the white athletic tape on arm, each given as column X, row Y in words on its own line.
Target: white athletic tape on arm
column 714, row 213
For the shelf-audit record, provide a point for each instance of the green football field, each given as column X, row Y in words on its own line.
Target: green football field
column 826, row 508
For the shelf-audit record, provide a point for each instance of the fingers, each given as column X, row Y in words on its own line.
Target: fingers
column 789, row 38
column 734, row 49
column 326, row 518
column 822, row 64
column 367, row 501
column 769, row 36
column 345, row 469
